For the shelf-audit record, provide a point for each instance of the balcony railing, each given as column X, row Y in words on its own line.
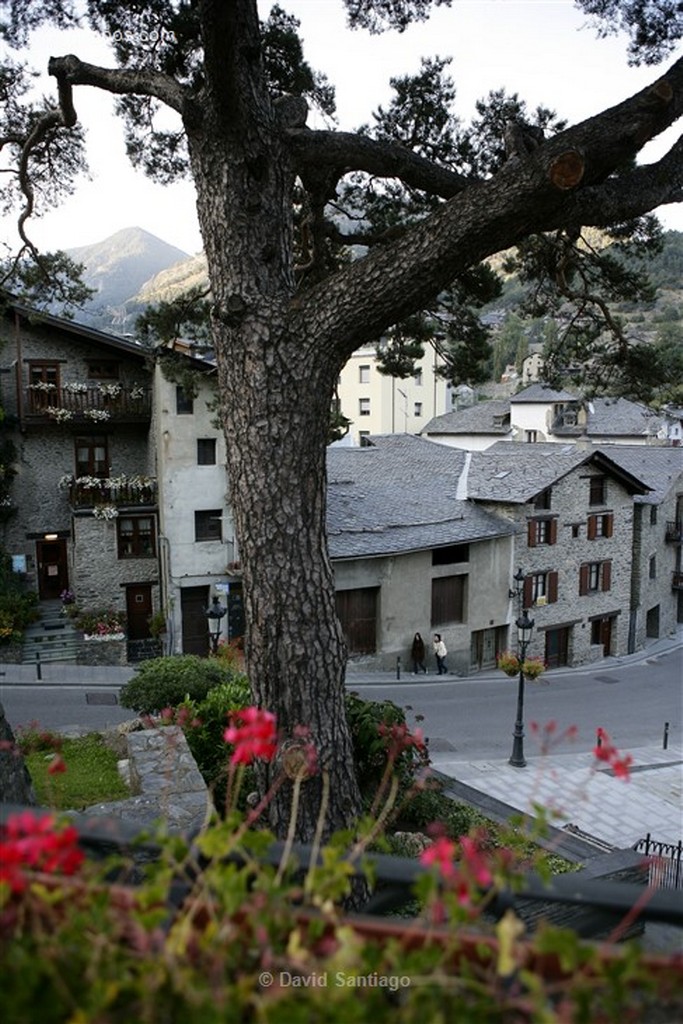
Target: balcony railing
column 85, row 403
column 122, row 492
column 674, row 532
column 677, row 580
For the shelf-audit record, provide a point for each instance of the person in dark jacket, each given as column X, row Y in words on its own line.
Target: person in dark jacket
column 417, row 653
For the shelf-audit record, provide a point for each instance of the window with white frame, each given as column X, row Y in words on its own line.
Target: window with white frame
column 364, row 374
column 363, row 406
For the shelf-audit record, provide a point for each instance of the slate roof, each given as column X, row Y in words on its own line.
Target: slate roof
column 661, row 468
column 476, row 419
column 516, row 473
column 542, row 393
column 620, row 417
column 400, row 495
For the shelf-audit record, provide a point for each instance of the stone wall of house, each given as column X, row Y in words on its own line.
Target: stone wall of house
column 102, row 652
column 95, row 545
column 655, row 603
column 570, row 507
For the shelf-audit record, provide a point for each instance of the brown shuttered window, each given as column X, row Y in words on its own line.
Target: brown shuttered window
column 552, row 587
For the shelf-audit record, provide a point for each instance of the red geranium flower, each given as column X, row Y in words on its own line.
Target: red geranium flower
column 36, row 843
column 253, row 734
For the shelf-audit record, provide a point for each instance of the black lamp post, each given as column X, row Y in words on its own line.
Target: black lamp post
column 525, row 627
column 214, row 614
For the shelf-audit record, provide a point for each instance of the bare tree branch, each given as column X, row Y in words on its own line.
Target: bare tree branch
column 347, row 151
column 70, row 71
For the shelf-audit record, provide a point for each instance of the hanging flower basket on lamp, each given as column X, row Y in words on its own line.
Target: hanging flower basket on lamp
column 533, row 667
column 509, row 663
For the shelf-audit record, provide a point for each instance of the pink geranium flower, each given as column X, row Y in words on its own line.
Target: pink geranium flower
column 38, row 844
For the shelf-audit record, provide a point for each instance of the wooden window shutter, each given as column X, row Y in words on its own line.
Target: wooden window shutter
column 553, row 531
column 606, row 575
column 608, row 525
column 531, row 533
column 552, row 587
column 591, row 528
column 527, row 593
column 583, row 579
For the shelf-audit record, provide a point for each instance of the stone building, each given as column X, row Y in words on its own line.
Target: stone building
column 78, row 408
column 410, row 554
column 573, row 511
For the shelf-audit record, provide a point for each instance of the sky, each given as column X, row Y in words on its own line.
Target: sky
column 545, row 50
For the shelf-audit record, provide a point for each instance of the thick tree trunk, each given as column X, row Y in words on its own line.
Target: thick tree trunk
column 275, row 396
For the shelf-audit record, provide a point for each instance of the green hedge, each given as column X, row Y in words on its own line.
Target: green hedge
column 166, row 682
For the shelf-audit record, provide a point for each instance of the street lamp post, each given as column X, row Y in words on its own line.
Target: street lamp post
column 525, row 627
column 214, row 614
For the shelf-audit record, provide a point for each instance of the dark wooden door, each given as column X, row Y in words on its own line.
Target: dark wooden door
column 357, row 611
column 193, row 604
column 138, row 610
column 53, row 575
column 556, row 647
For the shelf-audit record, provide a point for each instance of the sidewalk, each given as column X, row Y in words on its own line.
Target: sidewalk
column 584, row 794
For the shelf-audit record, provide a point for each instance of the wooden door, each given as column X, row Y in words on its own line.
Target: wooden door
column 138, row 610
column 557, row 647
column 53, row 575
column 193, row 604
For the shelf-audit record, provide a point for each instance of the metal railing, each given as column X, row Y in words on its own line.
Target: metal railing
column 666, row 863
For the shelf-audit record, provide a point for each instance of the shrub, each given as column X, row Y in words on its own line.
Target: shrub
column 205, row 738
column 370, row 747
column 17, row 611
column 166, row 682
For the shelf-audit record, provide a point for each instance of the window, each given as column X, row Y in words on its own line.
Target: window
column 418, row 408
column 600, row 526
column 540, row 588
column 92, row 458
column 597, row 490
column 363, row 374
column 576, row 530
column 531, row 436
column 595, row 576
column 43, row 379
column 417, row 377
column 363, row 406
column 448, row 600
column 184, row 403
column 136, row 536
column 206, row 451
column 542, row 500
column 208, row 525
column 541, row 531
column 653, row 515
column 103, row 369
column 653, row 567
column 450, row 555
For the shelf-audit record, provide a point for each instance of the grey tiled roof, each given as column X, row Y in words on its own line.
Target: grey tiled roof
column 476, row 419
column 661, row 468
column 517, row 472
column 400, row 496
column 619, row 416
column 543, row 393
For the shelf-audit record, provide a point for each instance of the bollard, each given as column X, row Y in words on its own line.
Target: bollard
column 665, row 743
column 398, row 667
column 599, row 738
column 39, row 667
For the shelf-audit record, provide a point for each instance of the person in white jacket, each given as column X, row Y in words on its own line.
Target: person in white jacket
column 440, row 653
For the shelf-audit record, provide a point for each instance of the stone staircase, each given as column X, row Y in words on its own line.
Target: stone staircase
column 51, row 638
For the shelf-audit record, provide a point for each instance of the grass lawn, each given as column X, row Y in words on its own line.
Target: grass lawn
column 91, row 776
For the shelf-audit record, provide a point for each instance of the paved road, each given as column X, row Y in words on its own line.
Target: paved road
column 468, row 718
column 474, row 718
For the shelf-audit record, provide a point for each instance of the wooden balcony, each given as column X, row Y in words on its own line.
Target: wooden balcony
column 87, row 404
column 130, row 492
column 674, row 532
